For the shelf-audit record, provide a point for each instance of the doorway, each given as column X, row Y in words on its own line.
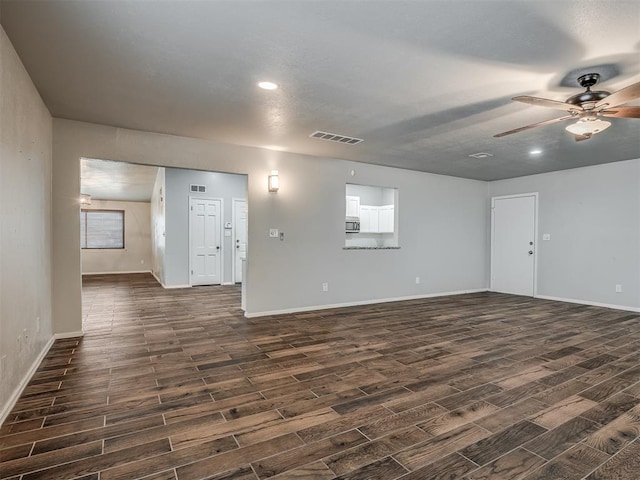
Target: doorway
column 205, row 226
column 513, row 244
column 239, row 214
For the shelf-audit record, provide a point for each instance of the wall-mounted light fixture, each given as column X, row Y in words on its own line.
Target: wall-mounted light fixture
column 274, row 181
column 85, row 199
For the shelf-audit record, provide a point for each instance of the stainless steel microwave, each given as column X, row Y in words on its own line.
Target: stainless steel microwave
column 352, row 225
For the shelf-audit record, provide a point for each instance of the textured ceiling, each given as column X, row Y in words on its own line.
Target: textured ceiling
column 424, row 83
column 106, row 180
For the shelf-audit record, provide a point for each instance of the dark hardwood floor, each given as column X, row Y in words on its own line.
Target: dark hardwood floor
column 170, row 384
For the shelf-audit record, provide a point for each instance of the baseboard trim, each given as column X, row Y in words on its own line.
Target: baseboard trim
column 62, row 336
column 116, row 273
column 168, row 287
column 6, row 409
column 359, row 303
column 587, row 302
column 157, row 279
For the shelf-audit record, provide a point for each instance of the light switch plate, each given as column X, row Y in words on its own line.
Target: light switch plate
column 546, row 236
column 273, row 233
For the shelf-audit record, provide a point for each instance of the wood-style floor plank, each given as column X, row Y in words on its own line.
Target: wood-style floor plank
column 179, row 385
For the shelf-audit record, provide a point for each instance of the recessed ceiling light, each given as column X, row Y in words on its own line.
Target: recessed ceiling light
column 268, row 85
column 481, row 155
column 537, row 151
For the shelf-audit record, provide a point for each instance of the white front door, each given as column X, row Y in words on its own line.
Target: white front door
column 239, row 237
column 513, row 249
column 205, row 226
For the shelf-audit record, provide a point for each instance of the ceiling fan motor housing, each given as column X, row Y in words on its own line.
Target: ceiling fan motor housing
column 588, row 99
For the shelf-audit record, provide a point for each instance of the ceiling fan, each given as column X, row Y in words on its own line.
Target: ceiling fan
column 587, row 107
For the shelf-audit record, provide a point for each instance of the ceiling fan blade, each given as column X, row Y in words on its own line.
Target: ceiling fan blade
column 623, row 112
column 545, row 102
column 623, row 95
column 579, row 138
column 534, row 125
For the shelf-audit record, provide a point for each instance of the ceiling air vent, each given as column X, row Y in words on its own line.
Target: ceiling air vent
column 334, row 137
column 481, row 155
column 197, row 188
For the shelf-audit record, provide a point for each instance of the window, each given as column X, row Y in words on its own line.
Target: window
column 371, row 218
column 101, row 229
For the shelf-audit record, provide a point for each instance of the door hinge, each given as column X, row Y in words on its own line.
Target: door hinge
column 192, row 208
column 191, row 272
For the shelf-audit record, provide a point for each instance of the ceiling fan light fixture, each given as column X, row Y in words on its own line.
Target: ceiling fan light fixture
column 586, row 127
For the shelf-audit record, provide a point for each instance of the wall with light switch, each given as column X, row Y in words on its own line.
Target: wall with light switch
column 225, row 186
column 588, row 244
column 442, row 227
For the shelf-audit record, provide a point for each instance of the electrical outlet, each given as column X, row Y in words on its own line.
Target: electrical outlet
column 325, row 287
column 618, row 288
column 417, row 280
column 273, row 233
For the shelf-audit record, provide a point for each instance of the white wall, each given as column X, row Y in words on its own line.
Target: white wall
column 442, row 222
column 136, row 254
column 157, row 213
column 25, row 226
column 219, row 185
column 593, row 216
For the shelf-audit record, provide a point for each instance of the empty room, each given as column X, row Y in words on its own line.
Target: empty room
column 319, row 240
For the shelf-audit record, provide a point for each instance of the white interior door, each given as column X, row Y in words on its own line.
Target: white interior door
column 513, row 233
column 205, row 227
column 240, row 237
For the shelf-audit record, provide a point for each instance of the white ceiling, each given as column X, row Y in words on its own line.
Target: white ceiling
column 107, row 180
column 424, row 83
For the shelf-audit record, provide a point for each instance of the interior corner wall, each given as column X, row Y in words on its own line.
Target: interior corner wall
column 442, row 224
column 593, row 217
column 25, row 230
column 136, row 254
column 218, row 185
column 157, row 213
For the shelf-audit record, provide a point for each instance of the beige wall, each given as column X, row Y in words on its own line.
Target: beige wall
column 25, row 226
column 136, row 254
column 442, row 222
column 592, row 215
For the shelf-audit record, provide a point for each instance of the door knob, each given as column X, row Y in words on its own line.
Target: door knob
column 530, row 252
column 218, row 247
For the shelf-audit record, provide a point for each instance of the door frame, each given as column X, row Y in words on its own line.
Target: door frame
column 535, row 236
column 221, row 200
column 233, row 237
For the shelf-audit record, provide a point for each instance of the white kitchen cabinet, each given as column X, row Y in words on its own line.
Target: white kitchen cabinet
column 368, row 219
column 353, row 206
column 385, row 218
